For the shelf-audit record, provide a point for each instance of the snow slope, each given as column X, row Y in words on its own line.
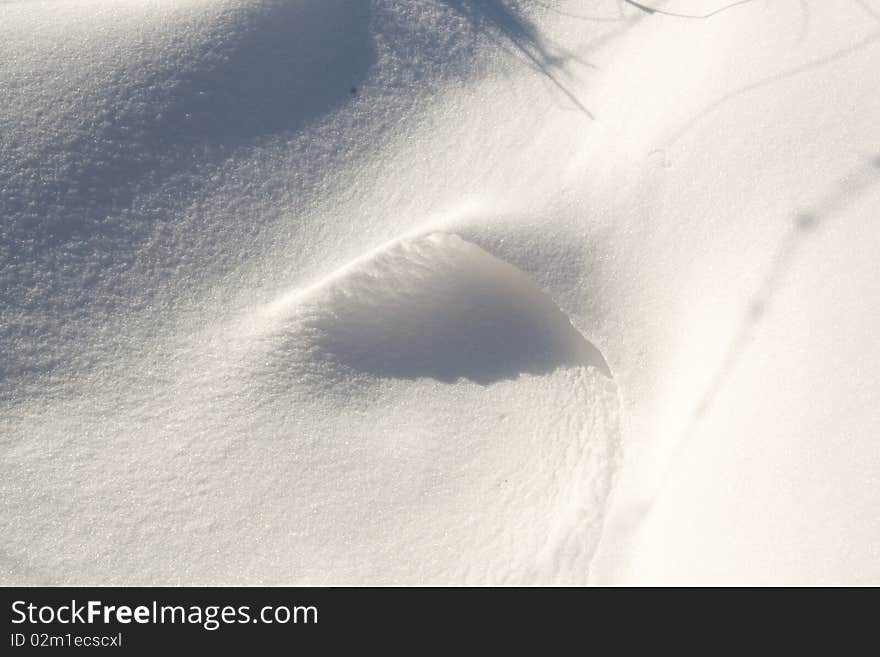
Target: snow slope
column 439, row 291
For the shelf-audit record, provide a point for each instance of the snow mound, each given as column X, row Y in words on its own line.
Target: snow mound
column 436, row 307
column 324, row 434
column 430, row 356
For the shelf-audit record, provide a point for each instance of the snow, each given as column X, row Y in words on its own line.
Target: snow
column 439, row 291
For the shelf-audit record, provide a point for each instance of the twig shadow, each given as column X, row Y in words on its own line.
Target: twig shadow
column 498, row 18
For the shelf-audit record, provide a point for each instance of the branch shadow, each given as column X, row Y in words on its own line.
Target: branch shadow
column 770, row 80
column 497, row 18
column 803, row 226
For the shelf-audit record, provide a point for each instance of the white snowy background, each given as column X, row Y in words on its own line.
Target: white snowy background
column 439, row 291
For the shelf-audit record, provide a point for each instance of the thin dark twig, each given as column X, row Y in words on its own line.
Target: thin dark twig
column 581, row 17
column 653, row 10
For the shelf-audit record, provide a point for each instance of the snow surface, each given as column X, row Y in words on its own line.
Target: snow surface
column 439, row 291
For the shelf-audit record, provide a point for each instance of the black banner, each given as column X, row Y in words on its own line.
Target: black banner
column 244, row 618
column 418, row 619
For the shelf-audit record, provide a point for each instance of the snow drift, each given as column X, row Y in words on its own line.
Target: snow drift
column 439, row 291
